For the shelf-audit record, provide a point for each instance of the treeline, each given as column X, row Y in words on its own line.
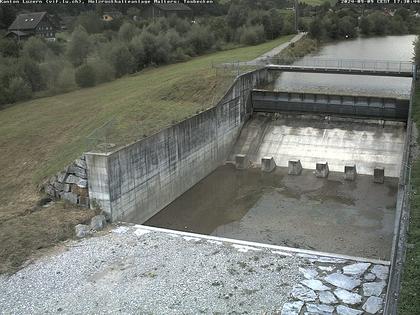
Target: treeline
column 95, row 53
column 349, row 23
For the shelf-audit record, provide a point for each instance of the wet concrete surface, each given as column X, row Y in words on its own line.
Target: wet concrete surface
column 330, row 215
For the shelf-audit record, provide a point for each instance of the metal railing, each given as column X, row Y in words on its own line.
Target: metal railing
column 330, row 63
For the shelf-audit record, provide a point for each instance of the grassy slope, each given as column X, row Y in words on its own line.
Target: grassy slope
column 409, row 303
column 39, row 137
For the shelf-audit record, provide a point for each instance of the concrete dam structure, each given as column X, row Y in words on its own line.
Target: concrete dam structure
column 318, row 172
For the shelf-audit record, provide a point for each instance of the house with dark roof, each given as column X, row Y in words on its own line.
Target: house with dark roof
column 157, row 10
column 32, row 24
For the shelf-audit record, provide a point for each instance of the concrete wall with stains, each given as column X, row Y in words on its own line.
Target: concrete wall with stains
column 144, row 177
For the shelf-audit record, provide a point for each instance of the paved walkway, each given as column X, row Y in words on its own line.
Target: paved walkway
column 275, row 51
column 263, row 58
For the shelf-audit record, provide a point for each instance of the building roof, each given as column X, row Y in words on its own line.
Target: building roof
column 27, row 21
column 17, row 33
column 172, row 6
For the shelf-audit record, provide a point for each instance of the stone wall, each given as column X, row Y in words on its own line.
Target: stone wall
column 140, row 179
column 70, row 184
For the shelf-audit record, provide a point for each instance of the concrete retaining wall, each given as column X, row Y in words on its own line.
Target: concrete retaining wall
column 139, row 180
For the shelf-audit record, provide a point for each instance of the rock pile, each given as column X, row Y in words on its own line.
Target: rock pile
column 70, row 184
column 347, row 289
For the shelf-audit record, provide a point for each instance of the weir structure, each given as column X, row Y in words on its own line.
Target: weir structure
column 142, row 178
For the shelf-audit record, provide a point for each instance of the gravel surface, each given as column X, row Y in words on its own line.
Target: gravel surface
column 141, row 270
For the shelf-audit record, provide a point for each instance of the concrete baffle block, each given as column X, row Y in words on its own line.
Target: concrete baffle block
column 379, row 175
column 268, row 164
column 295, row 167
column 322, row 170
column 241, row 161
column 350, row 172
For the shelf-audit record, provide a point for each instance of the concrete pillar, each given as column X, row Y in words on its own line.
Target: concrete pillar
column 295, row 167
column 350, row 172
column 268, row 164
column 379, row 175
column 322, row 170
column 241, row 161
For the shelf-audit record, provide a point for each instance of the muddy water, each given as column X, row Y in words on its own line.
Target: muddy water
column 332, row 215
column 398, row 48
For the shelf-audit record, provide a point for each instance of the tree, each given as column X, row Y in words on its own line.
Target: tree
column 137, row 50
column 122, row 60
column 104, row 72
column 65, row 81
column 127, row 31
column 236, row 16
column 35, row 48
column 200, row 39
column 85, row 76
column 32, row 73
column 9, row 48
column 90, row 21
column 365, row 25
column 379, row 23
column 19, row 90
column 78, row 47
column 315, row 29
column 346, row 28
column 252, row 35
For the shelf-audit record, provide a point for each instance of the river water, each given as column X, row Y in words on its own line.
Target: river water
column 390, row 48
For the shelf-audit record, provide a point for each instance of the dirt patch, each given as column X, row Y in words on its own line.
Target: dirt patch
column 23, row 235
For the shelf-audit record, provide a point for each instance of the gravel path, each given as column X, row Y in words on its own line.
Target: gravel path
column 137, row 270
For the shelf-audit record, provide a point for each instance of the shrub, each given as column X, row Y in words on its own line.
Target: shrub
column 78, row 47
column 200, row 39
column 127, row 31
column 65, row 81
column 85, row 76
column 104, row 72
column 121, row 59
column 19, row 90
column 252, row 35
column 32, row 74
column 35, row 48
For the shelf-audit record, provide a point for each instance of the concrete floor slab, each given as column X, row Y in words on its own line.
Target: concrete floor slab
column 310, row 140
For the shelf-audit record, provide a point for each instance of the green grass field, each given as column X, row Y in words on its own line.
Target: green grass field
column 409, row 303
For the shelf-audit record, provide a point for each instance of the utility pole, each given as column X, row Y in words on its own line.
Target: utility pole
column 296, row 16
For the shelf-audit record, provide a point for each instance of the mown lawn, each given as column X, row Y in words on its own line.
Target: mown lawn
column 41, row 136
column 409, row 303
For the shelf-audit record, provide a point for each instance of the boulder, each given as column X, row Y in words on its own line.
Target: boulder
column 78, row 171
column 372, row 305
column 341, row 281
column 98, row 222
column 70, row 197
column 82, row 230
